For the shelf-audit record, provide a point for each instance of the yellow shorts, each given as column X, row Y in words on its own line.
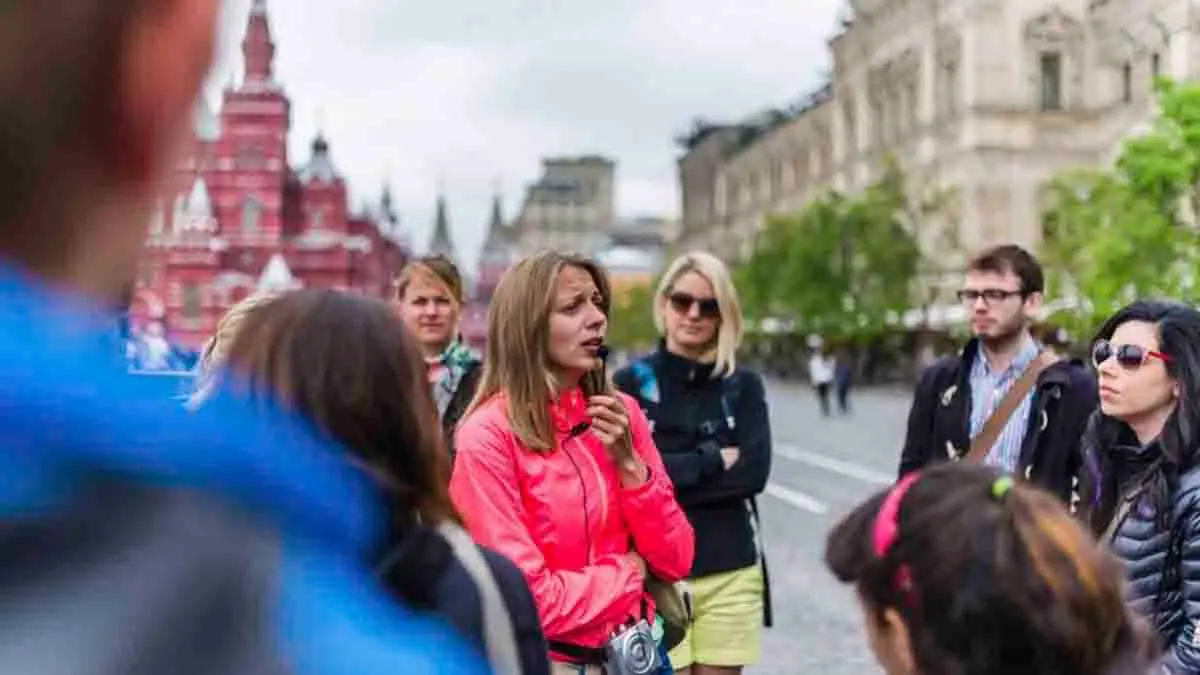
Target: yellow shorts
column 727, row 623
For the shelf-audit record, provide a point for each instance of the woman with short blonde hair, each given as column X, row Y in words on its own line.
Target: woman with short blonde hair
column 710, row 422
column 558, row 471
column 429, row 298
column 723, row 345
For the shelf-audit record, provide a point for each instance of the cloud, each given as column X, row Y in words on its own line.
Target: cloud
column 462, row 93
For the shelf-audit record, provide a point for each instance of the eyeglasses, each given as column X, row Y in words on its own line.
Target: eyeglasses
column 682, row 302
column 990, row 296
column 1129, row 356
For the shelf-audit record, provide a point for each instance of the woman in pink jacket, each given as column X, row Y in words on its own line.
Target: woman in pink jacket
column 558, row 472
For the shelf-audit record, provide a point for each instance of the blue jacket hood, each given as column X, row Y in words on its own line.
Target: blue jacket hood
column 68, row 412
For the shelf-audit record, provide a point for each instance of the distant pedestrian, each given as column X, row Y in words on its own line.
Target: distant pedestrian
column 843, row 379
column 821, row 373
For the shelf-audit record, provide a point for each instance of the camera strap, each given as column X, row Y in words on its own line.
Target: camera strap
column 578, row 653
column 593, row 655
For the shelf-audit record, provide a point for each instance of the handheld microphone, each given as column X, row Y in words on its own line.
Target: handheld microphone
column 602, row 354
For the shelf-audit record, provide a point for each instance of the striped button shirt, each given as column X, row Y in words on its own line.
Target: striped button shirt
column 987, row 390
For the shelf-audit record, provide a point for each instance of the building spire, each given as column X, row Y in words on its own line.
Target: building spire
column 441, row 243
column 495, row 235
column 258, row 48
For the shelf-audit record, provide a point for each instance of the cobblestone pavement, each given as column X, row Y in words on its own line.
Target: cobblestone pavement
column 822, row 468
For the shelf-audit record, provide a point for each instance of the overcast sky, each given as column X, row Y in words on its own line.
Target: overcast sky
column 468, row 93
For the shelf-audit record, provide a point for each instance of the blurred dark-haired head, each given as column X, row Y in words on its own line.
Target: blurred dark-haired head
column 980, row 582
column 348, row 365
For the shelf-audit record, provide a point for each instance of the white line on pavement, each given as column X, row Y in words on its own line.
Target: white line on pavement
column 820, row 461
column 796, row 499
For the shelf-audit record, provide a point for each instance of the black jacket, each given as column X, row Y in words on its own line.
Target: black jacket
column 940, row 420
column 1161, row 554
column 714, row 499
column 459, row 402
column 424, row 572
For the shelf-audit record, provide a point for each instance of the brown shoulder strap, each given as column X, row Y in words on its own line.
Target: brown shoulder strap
column 994, row 426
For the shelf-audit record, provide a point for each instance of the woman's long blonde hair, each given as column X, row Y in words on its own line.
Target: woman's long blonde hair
column 730, row 330
column 517, row 361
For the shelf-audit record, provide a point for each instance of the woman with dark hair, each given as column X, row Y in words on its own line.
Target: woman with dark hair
column 961, row 572
column 346, row 364
column 1141, row 487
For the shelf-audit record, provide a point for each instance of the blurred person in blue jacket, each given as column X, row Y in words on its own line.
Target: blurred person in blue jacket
column 136, row 537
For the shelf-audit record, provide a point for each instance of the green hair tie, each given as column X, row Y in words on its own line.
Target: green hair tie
column 1001, row 487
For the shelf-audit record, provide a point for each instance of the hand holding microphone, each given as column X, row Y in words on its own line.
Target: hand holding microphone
column 610, row 424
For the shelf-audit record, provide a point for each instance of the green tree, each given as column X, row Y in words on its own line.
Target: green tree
column 631, row 325
column 844, row 266
column 1116, row 234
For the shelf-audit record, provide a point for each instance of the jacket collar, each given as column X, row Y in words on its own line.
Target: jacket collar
column 1055, row 374
column 680, row 368
column 569, row 410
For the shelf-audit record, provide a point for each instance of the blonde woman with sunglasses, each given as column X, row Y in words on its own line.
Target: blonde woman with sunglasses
column 709, row 417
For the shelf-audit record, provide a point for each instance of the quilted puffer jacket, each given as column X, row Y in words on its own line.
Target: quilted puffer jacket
column 1164, row 584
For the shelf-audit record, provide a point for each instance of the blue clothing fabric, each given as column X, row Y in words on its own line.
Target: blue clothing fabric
column 988, row 388
column 71, row 419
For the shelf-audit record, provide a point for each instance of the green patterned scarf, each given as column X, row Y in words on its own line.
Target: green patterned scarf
column 456, row 360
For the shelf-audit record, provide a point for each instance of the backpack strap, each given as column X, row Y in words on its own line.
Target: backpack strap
column 982, row 444
column 499, row 638
column 647, row 381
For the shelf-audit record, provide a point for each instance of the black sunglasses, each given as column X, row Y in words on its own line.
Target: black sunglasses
column 682, row 302
column 1129, row 356
column 990, row 296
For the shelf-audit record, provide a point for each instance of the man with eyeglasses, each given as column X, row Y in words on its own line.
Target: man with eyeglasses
column 1003, row 400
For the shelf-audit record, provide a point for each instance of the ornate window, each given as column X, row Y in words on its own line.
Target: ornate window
column 250, row 158
column 251, row 214
column 191, row 301
column 947, row 81
column 1054, row 53
column 1051, row 80
column 851, row 125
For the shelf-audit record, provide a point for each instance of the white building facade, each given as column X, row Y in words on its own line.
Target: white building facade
column 986, row 98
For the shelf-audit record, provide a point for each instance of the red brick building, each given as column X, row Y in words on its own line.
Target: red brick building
column 244, row 219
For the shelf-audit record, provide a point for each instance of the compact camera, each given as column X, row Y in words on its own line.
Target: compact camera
column 632, row 651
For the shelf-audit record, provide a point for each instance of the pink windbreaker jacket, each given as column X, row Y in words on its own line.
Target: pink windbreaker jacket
column 565, row 520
